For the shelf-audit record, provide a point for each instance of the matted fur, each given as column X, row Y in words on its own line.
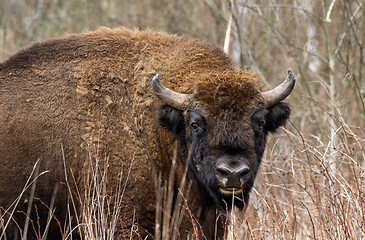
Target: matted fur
column 93, row 91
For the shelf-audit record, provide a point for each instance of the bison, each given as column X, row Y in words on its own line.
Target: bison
column 161, row 109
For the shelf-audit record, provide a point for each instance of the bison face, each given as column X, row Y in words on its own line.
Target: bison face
column 222, row 135
column 223, row 156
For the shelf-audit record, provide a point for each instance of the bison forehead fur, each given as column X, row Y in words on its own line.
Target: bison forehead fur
column 65, row 99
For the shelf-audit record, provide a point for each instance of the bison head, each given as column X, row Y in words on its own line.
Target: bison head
column 222, row 127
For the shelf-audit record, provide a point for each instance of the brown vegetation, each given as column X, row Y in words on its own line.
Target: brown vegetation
column 311, row 182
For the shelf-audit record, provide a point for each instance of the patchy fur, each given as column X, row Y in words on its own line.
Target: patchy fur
column 65, row 98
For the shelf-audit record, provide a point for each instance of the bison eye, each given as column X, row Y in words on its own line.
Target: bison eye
column 261, row 123
column 194, row 125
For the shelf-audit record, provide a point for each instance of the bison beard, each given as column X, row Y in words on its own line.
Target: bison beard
column 62, row 97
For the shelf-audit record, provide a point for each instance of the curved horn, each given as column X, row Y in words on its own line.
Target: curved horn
column 280, row 92
column 171, row 98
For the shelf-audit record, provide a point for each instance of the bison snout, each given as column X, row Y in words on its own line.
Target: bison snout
column 232, row 178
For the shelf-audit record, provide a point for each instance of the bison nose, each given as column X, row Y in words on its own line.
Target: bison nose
column 232, row 177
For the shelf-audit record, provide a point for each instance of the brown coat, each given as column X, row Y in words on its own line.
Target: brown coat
column 89, row 95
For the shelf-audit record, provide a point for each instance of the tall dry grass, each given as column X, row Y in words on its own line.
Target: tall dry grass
column 311, row 182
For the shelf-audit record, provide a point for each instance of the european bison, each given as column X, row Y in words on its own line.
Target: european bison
column 156, row 107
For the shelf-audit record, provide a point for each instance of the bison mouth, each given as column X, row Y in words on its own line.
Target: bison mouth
column 228, row 192
column 232, row 197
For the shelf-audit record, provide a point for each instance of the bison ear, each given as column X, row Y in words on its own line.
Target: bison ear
column 277, row 116
column 171, row 119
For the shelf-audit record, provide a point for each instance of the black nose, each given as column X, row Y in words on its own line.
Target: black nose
column 232, row 176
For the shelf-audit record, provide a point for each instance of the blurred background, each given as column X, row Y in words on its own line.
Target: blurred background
column 312, row 181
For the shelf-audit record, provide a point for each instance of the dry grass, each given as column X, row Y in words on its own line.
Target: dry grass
column 311, row 182
column 99, row 211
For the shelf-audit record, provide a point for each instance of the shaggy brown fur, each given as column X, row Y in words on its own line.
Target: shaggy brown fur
column 93, row 90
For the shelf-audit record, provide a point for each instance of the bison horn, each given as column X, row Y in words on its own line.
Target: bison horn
column 171, row 98
column 280, row 92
